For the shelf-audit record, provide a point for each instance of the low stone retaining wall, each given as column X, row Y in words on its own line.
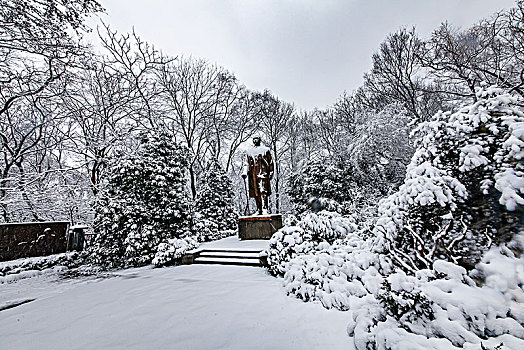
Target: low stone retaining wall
column 27, row 239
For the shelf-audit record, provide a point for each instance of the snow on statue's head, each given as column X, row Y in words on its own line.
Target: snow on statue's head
column 257, row 140
column 258, row 148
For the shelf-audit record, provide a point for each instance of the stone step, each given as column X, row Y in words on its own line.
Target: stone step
column 226, row 256
column 230, row 254
column 227, row 260
column 232, row 250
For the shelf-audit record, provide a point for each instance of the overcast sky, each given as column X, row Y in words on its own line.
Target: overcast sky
column 305, row 51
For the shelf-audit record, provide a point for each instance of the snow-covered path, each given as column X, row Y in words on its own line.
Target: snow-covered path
column 184, row 307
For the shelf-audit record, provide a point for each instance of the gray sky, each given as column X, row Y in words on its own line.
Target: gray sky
column 306, row 52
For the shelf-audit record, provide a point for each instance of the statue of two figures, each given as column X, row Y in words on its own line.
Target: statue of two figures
column 259, row 172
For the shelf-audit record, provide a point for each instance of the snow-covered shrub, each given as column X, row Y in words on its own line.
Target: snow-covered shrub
column 388, row 308
column 290, row 220
column 172, row 252
column 336, row 274
column 214, row 201
column 66, row 264
column 404, row 304
column 144, row 203
column 321, row 185
column 313, row 231
column 327, row 204
column 461, row 311
column 317, row 180
column 327, row 226
column 408, row 286
column 464, row 186
column 286, row 244
column 205, row 230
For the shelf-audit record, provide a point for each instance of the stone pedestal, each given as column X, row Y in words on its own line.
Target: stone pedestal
column 259, row 226
column 76, row 238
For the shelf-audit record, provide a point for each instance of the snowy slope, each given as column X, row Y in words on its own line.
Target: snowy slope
column 185, row 307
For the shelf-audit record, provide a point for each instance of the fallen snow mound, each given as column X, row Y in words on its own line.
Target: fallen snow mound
column 14, row 270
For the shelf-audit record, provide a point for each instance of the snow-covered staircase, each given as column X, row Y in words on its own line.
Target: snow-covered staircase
column 226, row 256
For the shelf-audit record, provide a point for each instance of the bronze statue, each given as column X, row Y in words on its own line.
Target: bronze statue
column 259, row 172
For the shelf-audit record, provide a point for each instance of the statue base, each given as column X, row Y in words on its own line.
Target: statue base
column 259, row 226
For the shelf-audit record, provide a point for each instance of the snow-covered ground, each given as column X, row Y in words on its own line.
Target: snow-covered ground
column 183, row 307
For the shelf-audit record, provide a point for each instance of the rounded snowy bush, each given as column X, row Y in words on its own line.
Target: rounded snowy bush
column 314, row 231
column 327, row 226
column 286, row 244
column 337, row 275
column 205, row 230
column 172, row 252
column 388, row 308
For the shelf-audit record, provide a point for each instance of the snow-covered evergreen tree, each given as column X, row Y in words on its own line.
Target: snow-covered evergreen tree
column 214, row 206
column 319, row 180
column 144, row 204
column 369, row 164
column 464, row 186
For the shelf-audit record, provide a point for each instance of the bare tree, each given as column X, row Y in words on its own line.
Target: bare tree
column 199, row 99
column 240, row 124
column 39, row 46
column 490, row 51
column 29, row 132
column 98, row 104
column 139, row 64
column 36, row 44
column 397, row 76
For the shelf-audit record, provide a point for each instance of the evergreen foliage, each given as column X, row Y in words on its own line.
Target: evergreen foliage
column 214, row 206
column 144, row 204
column 172, row 251
column 286, row 244
column 318, row 180
column 464, row 187
column 314, row 231
column 369, row 164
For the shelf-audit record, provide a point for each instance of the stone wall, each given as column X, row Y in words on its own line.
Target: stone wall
column 27, row 239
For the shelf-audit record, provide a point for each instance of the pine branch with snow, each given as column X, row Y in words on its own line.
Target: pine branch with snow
column 464, row 187
column 145, row 203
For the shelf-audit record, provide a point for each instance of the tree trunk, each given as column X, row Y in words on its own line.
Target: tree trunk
column 192, row 177
column 3, row 194
column 277, row 178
